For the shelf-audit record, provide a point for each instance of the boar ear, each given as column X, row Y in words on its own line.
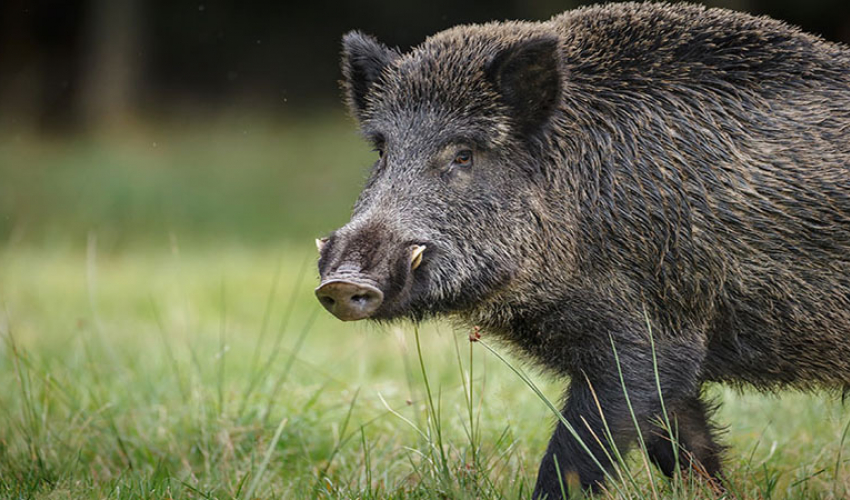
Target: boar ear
column 363, row 60
column 527, row 76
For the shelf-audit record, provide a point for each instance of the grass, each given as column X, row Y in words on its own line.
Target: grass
column 173, row 348
column 207, row 376
column 243, row 179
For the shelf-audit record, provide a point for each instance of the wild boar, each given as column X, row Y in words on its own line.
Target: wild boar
column 572, row 185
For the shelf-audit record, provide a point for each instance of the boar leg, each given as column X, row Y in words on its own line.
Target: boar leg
column 695, row 436
column 587, row 461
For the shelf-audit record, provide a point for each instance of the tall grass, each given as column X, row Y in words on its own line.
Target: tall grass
column 135, row 404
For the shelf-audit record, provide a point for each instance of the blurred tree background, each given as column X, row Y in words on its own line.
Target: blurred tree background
column 195, row 78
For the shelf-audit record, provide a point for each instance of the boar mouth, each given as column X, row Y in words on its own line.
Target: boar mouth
column 352, row 294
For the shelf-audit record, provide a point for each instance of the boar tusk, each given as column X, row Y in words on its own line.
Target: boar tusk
column 416, row 256
column 320, row 244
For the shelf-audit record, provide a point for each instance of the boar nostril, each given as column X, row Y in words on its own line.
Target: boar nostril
column 349, row 300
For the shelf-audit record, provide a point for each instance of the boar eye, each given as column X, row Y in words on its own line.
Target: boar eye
column 379, row 144
column 463, row 159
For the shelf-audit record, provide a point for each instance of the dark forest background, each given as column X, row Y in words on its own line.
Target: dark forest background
column 66, row 65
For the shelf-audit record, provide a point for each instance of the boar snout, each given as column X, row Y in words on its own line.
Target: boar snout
column 349, row 300
column 368, row 273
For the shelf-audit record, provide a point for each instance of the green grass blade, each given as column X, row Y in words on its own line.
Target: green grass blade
column 249, row 495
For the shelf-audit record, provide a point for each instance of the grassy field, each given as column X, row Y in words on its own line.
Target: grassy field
column 159, row 339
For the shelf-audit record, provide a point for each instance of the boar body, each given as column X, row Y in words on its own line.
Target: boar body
column 577, row 185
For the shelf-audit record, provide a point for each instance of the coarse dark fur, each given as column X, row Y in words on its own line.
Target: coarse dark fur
column 635, row 166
